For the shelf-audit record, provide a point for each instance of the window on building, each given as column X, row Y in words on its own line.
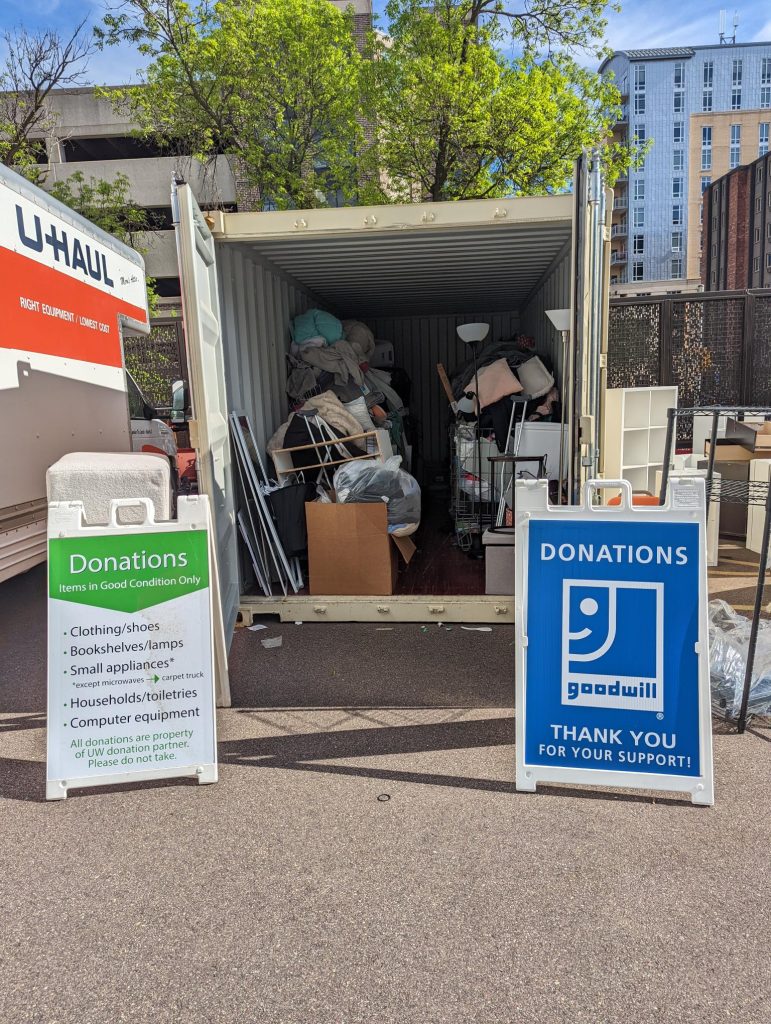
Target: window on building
column 677, row 241
column 768, row 261
column 736, row 99
column 678, row 133
column 768, row 232
column 110, row 147
column 677, row 214
column 706, row 101
column 678, row 103
column 762, row 139
column 638, row 245
column 765, row 82
column 640, row 135
column 639, row 103
column 758, row 205
column 677, row 188
column 705, row 183
column 736, row 145
column 637, row 271
column 677, row 267
column 756, row 264
column 639, row 189
column 765, row 95
column 736, row 72
column 639, row 77
column 708, row 74
column 714, row 277
column 678, row 160
column 706, row 147
column 638, row 217
column 679, row 77
column 757, row 234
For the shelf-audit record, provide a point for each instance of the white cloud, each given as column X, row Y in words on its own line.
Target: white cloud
column 763, row 35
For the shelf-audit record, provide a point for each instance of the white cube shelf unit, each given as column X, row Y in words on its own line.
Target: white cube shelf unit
column 636, row 433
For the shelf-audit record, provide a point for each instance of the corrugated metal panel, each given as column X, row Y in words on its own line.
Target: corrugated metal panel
column 257, row 304
column 478, row 269
column 552, row 292
column 420, row 342
column 479, row 256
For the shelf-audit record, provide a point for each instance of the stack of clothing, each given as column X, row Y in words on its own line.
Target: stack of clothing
column 331, row 356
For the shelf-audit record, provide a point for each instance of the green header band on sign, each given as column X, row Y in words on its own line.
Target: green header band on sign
column 128, row 573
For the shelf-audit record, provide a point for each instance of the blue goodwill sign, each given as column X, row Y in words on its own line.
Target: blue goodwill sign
column 613, row 675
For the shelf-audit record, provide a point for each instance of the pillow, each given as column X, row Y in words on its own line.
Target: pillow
column 496, row 381
column 358, row 409
column 535, row 378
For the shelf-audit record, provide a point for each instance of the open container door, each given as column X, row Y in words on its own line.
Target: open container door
column 209, row 432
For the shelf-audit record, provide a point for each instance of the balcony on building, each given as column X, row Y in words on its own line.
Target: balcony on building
column 620, row 203
column 623, row 118
column 619, row 230
column 618, row 257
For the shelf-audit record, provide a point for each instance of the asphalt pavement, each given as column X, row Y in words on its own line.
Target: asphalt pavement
column 365, row 858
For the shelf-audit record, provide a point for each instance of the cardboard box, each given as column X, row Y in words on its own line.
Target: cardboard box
column 350, row 551
column 756, row 437
column 732, row 451
column 499, row 561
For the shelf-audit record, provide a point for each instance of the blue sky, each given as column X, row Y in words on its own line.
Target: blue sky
column 642, row 23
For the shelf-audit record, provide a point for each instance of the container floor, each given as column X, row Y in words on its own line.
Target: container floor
column 439, row 566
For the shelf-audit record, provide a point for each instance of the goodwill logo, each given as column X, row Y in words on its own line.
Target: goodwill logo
column 613, row 644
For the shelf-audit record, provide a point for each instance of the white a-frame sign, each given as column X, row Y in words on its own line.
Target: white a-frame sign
column 130, row 652
column 612, row 648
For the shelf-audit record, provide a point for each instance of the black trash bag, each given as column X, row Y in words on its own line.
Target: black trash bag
column 288, row 507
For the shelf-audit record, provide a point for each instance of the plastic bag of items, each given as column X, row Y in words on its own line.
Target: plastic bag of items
column 365, row 482
column 729, row 636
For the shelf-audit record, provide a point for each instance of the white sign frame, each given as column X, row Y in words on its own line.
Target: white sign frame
column 685, row 504
column 66, row 519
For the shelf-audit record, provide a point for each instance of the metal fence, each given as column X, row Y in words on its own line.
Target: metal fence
column 157, row 359
column 715, row 346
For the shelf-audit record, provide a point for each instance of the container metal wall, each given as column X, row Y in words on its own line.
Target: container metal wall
column 553, row 292
column 257, row 304
column 420, row 342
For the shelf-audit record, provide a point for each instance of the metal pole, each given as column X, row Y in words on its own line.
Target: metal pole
column 671, row 413
column 563, row 406
column 756, row 613
column 711, row 461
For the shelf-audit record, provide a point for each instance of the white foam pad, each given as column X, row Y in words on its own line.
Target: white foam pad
column 96, row 477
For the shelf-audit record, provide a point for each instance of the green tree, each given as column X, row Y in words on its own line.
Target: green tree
column 459, row 117
column 274, row 83
column 109, row 205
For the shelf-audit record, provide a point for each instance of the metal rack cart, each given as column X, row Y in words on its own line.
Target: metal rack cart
column 733, row 492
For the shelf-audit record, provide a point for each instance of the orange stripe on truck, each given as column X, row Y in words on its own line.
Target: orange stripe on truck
column 48, row 312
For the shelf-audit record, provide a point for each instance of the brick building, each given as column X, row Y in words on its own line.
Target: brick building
column 736, row 229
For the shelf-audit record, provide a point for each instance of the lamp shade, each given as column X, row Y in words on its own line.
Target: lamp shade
column 560, row 318
column 473, row 332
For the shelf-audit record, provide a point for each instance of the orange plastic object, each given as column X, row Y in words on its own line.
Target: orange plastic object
column 638, row 498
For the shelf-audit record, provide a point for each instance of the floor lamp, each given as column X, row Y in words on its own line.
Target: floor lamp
column 471, row 334
column 560, row 320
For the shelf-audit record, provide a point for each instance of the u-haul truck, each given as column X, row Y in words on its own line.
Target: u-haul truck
column 67, row 290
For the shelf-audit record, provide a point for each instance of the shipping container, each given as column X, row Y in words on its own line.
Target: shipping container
column 413, row 273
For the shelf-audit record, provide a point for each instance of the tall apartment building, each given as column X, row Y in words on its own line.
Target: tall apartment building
column 736, row 253
column 705, row 109
column 90, row 136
